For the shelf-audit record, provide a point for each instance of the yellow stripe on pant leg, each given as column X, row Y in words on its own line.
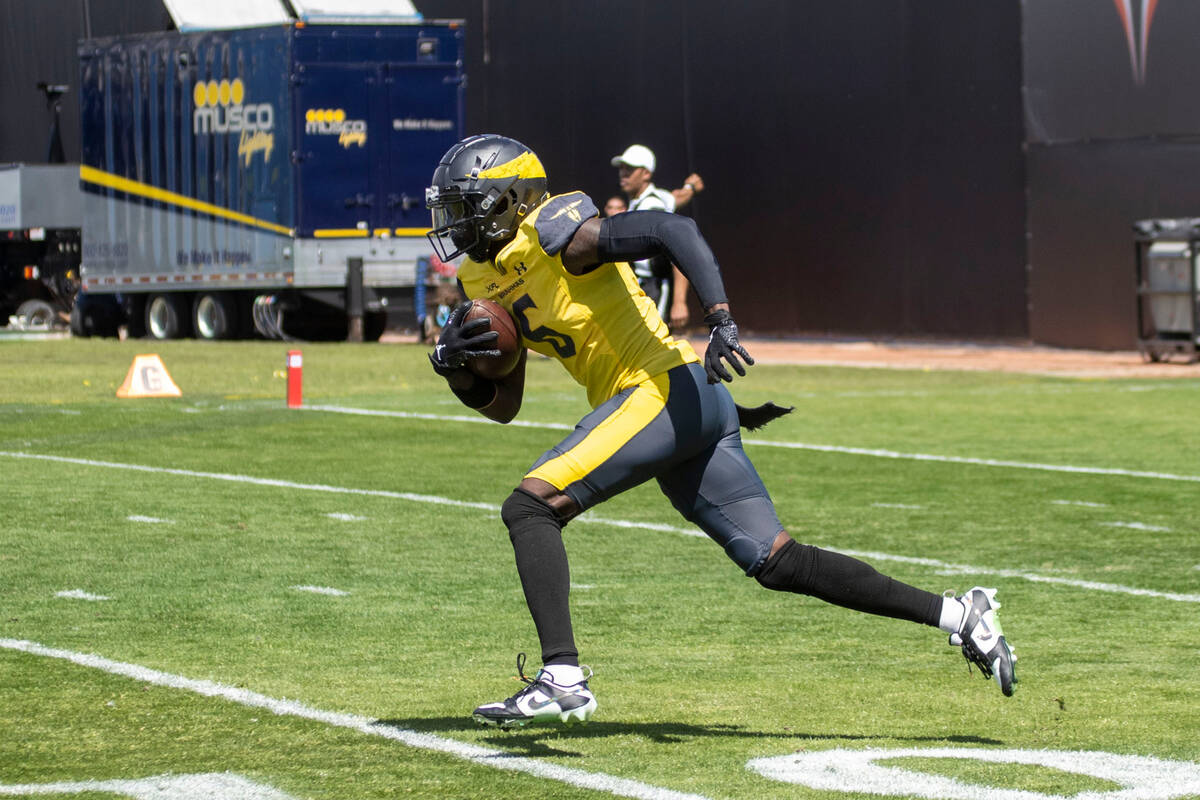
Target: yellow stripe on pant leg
column 641, row 407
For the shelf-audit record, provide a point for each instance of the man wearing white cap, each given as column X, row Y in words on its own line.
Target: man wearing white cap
column 635, row 168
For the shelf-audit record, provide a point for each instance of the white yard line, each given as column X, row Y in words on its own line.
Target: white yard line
column 946, row 568
column 224, row 785
column 366, row 412
column 327, row 590
column 819, row 448
column 80, row 594
column 1137, row 526
column 589, row 518
column 484, row 756
column 978, row 462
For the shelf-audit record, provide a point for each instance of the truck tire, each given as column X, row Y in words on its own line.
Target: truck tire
column 215, row 316
column 37, row 313
column 165, row 316
column 76, row 324
column 94, row 315
column 133, row 315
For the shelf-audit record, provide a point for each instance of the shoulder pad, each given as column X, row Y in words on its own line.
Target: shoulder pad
column 560, row 217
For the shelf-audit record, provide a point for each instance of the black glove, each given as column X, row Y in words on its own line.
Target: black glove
column 459, row 342
column 723, row 343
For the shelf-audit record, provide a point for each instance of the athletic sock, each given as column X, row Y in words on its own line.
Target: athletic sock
column 564, row 674
column 952, row 615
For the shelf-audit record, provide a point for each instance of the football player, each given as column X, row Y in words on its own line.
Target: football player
column 659, row 411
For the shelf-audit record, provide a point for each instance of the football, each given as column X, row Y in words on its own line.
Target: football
column 509, row 342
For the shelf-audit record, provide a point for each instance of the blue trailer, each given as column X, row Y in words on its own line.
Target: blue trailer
column 268, row 178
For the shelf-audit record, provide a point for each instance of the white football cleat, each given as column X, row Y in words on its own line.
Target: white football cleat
column 982, row 640
column 541, row 700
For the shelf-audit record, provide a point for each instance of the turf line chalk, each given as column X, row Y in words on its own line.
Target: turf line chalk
column 588, row 518
column 80, row 594
column 1137, row 526
column 483, row 756
column 322, row 590
column 819, row 448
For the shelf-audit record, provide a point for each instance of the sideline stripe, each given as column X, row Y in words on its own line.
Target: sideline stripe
column 484, row 756
column 819, row 448
column 588, row 518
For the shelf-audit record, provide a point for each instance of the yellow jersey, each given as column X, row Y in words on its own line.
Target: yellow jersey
column 600, row 326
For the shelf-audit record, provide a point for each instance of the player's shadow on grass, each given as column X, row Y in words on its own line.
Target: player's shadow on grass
column 543, row 740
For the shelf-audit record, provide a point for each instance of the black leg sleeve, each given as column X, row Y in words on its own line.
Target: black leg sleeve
column 847, row 582
column 536, row 535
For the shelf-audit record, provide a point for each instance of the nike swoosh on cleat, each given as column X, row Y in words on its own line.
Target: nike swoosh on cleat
column 572, row 702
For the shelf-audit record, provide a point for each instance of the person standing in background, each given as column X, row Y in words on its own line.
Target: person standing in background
column 615, row 205
column 661, row 281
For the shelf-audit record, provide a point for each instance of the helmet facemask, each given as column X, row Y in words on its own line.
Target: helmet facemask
column 456, row 224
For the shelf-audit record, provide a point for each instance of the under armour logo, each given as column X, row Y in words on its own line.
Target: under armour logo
column 1136, row 16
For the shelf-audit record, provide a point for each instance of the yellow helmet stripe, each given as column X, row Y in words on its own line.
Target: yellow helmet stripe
column 525, row 165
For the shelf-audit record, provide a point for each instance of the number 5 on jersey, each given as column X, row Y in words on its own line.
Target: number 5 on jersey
column 561, row 343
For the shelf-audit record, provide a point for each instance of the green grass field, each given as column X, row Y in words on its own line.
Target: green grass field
column 197, row 519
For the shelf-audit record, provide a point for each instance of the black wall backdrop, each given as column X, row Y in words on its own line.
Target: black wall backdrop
column 1114, row 136
column 863, row 160
column 38, row 40
column 874, row 167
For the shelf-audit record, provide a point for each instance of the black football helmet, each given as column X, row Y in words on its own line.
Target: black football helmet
column 482, row 188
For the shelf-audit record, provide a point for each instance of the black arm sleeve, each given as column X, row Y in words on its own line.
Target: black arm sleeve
column 643, row 234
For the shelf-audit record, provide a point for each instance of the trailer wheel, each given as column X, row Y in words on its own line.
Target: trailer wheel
column 37, row 314
column 133, row 313
column 165, row 315
column 94, row 315
column 77, row 327
column 214, row 316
